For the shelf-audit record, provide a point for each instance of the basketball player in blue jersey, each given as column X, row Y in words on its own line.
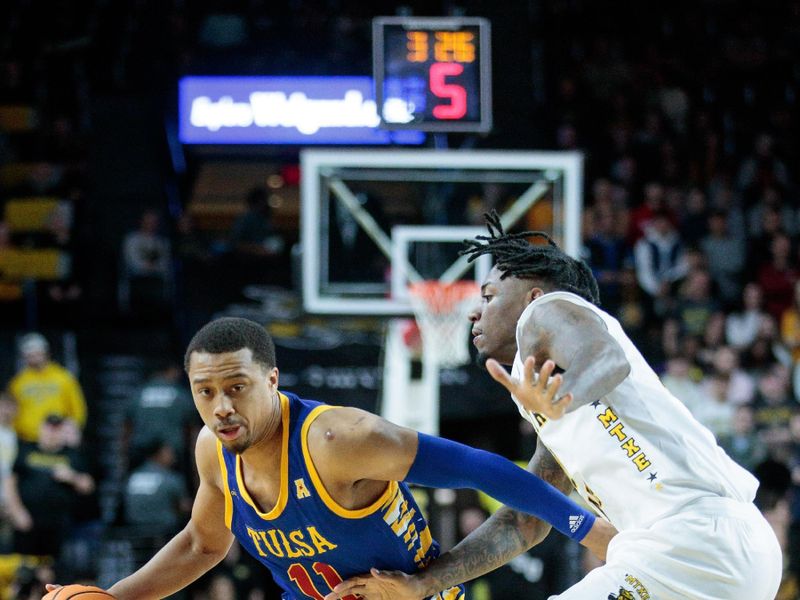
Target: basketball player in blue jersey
column 607, row 428
column 312, row 490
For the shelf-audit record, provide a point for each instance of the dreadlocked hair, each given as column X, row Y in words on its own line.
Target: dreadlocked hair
column 517, row 257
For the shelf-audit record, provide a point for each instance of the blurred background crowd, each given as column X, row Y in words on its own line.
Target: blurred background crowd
column 688, row 121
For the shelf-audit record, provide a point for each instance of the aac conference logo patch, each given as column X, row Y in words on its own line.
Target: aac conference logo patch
column 623, row 594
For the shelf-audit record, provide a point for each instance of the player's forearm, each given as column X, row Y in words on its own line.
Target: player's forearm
column 503, row 536
column 444, row 463
column 176, row 565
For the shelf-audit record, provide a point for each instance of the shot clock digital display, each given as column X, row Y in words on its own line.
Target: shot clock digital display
column 433, row 73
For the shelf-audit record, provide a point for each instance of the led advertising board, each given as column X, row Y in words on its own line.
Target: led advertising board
column 283, row 110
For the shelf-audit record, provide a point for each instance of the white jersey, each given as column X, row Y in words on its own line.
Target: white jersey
column 637, row 454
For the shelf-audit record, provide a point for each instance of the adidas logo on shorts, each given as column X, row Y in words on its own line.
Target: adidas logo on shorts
column 575, row 522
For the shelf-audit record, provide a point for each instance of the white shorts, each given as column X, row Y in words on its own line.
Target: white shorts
column 716, row 548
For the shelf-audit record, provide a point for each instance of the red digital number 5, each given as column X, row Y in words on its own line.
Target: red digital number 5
column 302, row 579
column 456, row 93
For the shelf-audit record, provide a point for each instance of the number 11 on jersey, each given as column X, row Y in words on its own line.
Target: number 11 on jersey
column 302, row 578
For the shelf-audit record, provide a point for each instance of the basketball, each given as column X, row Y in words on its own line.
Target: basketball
column 84, row 592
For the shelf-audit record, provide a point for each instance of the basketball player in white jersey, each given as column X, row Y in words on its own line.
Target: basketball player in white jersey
column 608, row 429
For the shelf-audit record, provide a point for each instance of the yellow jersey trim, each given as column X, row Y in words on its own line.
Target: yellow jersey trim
column 226, row 490
column 283, row 493
column 332, row 505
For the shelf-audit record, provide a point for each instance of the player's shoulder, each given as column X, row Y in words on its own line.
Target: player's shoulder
column 560, row 308
column 206, row 446
column 343, row 422
column 342, row 433
column 207, row 454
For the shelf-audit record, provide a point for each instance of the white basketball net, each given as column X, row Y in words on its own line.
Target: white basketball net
column 441, row 310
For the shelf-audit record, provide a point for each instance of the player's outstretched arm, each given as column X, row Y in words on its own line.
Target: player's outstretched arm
column 352, row 446
column 573, row 338
column 202, row 544
column 502, row 537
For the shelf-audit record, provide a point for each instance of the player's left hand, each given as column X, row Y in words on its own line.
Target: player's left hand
column 538, row 394
column 379, row 585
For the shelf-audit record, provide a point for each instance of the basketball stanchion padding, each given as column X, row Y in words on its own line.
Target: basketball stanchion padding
column 441, row 311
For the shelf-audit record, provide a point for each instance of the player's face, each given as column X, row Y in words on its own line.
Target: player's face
column 494, row 321
column 236, row 397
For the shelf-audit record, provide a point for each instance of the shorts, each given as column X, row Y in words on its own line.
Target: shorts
column 715, row 548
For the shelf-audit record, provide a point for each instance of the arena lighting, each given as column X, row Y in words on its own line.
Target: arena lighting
column 286, row 110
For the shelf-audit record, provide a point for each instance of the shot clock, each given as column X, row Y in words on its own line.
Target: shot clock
column 433, row 73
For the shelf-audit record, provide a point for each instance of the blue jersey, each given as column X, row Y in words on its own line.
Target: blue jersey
column 308, row 541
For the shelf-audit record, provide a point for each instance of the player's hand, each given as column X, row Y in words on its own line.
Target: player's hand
column 536, row 394
column 379, row 585
column 599, row 537
column 51, row 586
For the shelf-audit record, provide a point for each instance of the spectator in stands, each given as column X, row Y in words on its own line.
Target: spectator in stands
column 610, row 258
column 725, row 255
column 695, row 305
column 660, row 262
column 714, row 333
column 762, row 167
column 609, row 197
column 794, row 465
column 162, row 409
column 257, row 247
column 742, row 326
column 777, row 277
column 145, row 250
column 682, row 382
column 642, row 215
column 714, row 410
column 724, row 198
column 773, row 410
column 671, row 338
column 766, row 350
column 47, row 480
column 759, row 246
column 694, row 220
column 156, row 500
column 770, row 202
column 253, row 233
column 8, row 454
column 743, row 444
column 790, row 325
column 44, row 388
column 146, row 267
column 740, row 385
column 8, row 437
column 30, row 579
